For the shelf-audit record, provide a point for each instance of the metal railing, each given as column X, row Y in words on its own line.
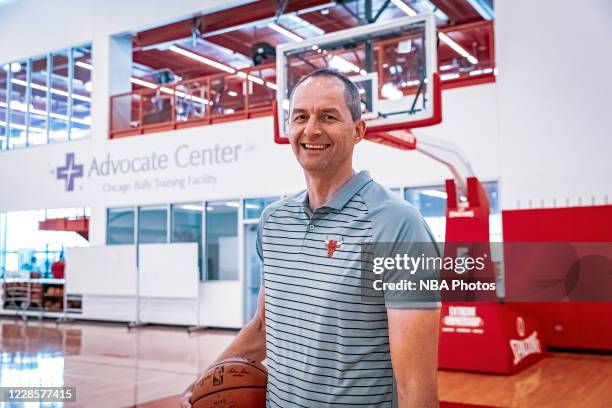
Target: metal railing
column 250, row 93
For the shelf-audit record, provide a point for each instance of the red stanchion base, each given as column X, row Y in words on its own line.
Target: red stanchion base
column 488, row 337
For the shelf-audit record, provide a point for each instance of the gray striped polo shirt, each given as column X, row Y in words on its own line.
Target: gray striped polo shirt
column 325, row 347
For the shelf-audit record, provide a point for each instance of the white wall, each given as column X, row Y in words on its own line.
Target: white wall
column 554, row 88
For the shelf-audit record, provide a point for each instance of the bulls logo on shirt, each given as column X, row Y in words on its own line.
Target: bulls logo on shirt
column 332, row 245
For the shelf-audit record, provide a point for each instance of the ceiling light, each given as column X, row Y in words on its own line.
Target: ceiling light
column 84, row 65
column 282, row 30
column 404, row 7
column 255, row 79
column 88, row 86
column 252, row 206
column 14, row 67
column 443, row 37
column 21, row 107
column 53, row 90
column 232, row 93
column 191, row 207
column 16, row 105
column 233, row 204
column 166, row 90
column 143, row 83
column 202, row 59
column 22, row 127
column 342, row 65
column 434, row 193
column 325, row 12
column 404, row 47
column 271, row 85
column 446, row 77
column 389, row 91
column 459, row 49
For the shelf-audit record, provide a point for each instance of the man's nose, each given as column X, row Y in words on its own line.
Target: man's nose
column 312, row 127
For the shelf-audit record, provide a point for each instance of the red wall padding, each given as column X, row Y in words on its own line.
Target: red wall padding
column 568, row 325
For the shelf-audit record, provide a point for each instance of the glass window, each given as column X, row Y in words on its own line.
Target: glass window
column 254, row 206
column 187, row 222
column 222, row 240
column 120, row 226
column 431, row 202
column 152, row 224
column 46, row 98
column 2, row 244
column 17, row 104
column 38, row 101
column 59, row 97
column 11, row 263
column 187, row 226
column 495, row 220
column 28, row 247
column 3, row 104
column 81, row 88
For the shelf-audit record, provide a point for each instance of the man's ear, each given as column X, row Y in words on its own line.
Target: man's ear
column 360, row 128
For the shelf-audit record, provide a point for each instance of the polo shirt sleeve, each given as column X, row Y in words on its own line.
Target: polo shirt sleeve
column 265, row 214
column 403, row 229
column 262, row 221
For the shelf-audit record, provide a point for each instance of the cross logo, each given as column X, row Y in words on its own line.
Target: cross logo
column 69, row 171
column 332, row 245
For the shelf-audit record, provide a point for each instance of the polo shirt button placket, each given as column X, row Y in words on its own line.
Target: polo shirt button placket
column 311, row 227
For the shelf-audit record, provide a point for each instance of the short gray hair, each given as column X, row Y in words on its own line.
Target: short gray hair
column 351, row 92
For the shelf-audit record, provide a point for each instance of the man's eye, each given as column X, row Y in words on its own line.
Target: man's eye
column 329, row 117
column 299, row 118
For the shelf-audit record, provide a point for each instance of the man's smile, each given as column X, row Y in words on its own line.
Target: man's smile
column 315, row 146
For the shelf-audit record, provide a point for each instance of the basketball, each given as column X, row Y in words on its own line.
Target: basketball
column 232, row 383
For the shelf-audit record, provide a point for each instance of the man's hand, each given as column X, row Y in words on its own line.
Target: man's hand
column 186, row 399
column 413, row 337
column 250, row 343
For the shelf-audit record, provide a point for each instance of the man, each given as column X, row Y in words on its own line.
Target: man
column 325, row 346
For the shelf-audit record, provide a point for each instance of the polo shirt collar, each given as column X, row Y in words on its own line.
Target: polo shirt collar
column 343, row 194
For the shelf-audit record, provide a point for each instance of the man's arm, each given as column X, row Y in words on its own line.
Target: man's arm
column 413, row 337
column 250, row 343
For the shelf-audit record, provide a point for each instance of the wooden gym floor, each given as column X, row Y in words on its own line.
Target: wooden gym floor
column 113, row 367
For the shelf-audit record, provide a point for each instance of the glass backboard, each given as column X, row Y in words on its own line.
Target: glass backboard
column 394, row 65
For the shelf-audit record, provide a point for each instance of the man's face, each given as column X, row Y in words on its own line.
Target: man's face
column 321, row 130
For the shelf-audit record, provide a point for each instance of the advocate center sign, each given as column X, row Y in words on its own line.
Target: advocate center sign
column 183, row 166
